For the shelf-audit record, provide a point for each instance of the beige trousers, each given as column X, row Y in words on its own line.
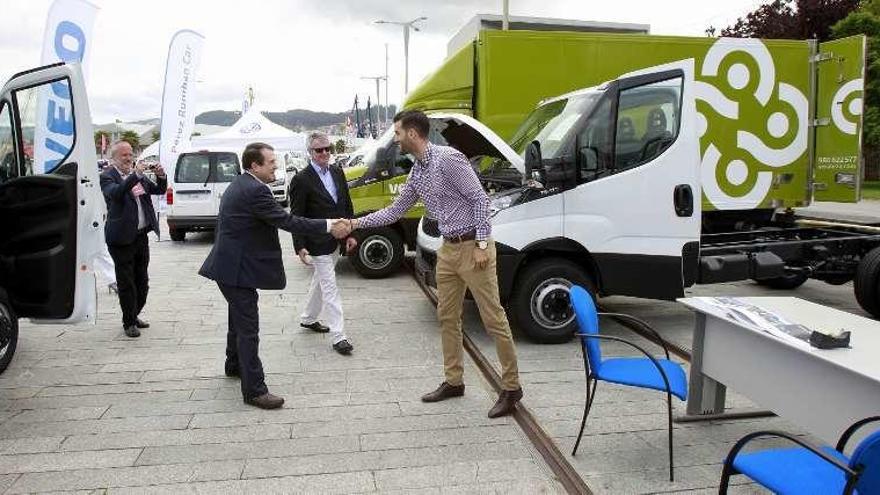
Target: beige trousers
column 456, row 272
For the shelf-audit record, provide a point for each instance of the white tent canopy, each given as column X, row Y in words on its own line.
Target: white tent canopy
column 251, row 127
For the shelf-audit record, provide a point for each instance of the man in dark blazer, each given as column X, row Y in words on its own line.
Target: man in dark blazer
column 247, row 256
column 130, row 216
column 321, row 191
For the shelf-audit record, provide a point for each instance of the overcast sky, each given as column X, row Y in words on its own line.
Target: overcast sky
column 298, row 53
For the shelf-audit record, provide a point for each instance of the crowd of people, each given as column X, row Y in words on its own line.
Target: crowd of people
column 247, row 256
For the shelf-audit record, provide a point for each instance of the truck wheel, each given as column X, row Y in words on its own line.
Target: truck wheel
column 867, row 281
column 785, row 282
column 8, row 334
column 177, row 235
column 379, row 252
column 540, row 303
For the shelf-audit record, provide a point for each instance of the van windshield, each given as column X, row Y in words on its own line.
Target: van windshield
column 552, row 122
column 196, row 167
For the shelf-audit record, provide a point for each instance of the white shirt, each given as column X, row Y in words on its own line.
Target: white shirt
column 142, row 220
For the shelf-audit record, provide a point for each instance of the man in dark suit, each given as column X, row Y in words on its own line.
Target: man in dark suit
column 321, row 191
column 130, row 216
column 247, row 256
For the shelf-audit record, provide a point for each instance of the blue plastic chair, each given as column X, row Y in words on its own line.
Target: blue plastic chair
column 809, row 468
column 644, row 372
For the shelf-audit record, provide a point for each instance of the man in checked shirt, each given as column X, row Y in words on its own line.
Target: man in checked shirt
column 444, row 180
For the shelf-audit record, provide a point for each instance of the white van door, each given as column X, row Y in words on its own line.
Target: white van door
column 51, row 212
column 637, row 205
column 200, row 179
column 193, row 186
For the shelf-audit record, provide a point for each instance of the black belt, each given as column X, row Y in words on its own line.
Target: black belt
column 467, row 236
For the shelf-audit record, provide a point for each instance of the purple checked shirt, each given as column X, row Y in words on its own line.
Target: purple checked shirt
column 451, row 191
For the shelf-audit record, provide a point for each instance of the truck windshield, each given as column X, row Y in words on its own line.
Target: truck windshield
column 552, row 122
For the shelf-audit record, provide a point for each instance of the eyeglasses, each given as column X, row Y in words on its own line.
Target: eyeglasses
column 322, row 150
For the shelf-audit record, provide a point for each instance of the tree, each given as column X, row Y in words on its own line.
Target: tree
column 131, row 138
column 108, row 139
column 867, row 21
column 791, row 19
column 155, row 136
column 340, row 146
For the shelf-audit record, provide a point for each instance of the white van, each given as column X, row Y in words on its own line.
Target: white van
column 51, row 206
column 199, row 180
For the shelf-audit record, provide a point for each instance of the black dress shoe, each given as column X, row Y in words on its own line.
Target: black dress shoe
column 316, row 327
column 343, row 347
column 141, row 323
column 506, row 403
column 443, row 392
column 132, row 331
column 266, row 401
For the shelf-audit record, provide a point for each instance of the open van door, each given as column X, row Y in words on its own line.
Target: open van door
column 839, row 108
column 51, row 208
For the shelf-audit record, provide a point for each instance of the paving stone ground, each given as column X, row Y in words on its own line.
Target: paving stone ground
column 84, row 408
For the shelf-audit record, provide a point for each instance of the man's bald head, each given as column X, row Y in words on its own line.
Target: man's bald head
column 122, row 156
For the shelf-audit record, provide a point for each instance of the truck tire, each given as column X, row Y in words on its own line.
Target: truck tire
column 786, row 282
column 867, row 281
column 540, row 302
column 8, row 333
column 379, row 252
column 177, row 235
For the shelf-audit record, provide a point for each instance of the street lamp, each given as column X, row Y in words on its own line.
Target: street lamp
column 406, row 27
column 379, row 101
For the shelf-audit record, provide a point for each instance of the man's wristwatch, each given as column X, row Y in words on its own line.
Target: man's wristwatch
column 482, row 244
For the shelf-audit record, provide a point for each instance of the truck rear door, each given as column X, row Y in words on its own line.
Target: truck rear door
column 839, row 108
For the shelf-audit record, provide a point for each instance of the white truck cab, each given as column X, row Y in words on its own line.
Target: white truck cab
column 51, row 206
column 594, row 212
column 612, row 202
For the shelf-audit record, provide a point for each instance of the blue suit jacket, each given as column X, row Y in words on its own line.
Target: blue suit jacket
column 246, row 250
column 122, row 212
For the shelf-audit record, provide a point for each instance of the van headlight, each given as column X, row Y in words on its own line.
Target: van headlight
column 503, row 201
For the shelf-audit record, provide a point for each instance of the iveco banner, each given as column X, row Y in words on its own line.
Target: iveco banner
column 67, row 39
column 178, row 102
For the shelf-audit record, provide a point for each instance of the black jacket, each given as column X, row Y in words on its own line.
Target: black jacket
column 311, row 200
column 122, row 211
column 246, row 250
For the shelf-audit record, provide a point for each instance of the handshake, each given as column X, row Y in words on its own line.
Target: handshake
column 342, row 227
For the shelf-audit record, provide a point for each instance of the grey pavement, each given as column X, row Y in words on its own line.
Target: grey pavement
column 865, row 211
column 84, row 408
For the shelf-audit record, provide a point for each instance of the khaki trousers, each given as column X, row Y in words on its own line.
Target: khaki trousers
column 456, row 272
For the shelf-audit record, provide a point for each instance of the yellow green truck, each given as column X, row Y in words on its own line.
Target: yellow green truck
column 656, row 163
column 801, row 101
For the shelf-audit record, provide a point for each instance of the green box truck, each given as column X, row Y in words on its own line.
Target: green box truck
column 656, row 181
column 501, row 76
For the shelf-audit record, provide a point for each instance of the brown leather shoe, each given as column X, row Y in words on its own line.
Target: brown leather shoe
column 506, row 403
column 266, row 401
column 443, row 392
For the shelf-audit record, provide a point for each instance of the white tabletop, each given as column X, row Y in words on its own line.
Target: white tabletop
column 864, row 355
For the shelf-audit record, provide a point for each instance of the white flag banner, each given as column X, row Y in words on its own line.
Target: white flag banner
column 67, row 38
column 178, row 97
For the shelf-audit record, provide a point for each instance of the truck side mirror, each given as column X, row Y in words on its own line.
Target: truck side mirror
column 533, row 165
